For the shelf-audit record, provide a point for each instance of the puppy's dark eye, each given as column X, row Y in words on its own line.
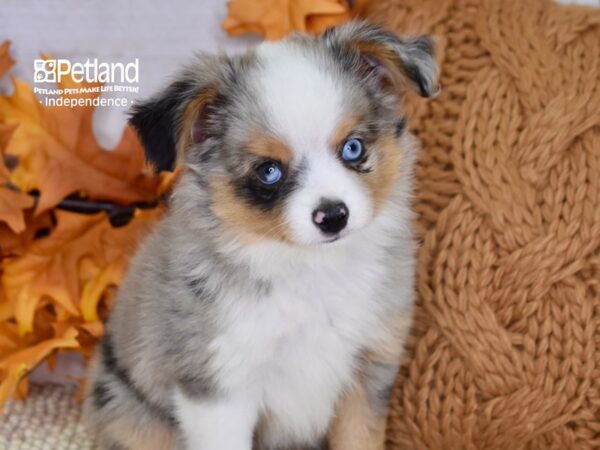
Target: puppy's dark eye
column 269, row 173
column 352, row 150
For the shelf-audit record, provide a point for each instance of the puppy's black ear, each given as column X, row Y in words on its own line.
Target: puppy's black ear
column 176, row 116
column 157, row 122
column 404, row 61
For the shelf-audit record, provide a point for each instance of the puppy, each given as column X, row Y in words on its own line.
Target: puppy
column 269, row 308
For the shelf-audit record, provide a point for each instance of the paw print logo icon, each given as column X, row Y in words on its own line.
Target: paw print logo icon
column 44, row 71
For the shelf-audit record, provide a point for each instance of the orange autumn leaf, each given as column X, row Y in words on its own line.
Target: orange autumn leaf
column 95, row 329
column 15, row 244
column 15, row 365
column 95, row 284
column 6, row 62
column 58, row 154
column 59, row 270
column 274, row 19
column 110, row 252
column 49, row 269
column 6, row 132
column 5, row 314
column 12, row 202
column 9, row 338
column 33, row 355
column 52, row 268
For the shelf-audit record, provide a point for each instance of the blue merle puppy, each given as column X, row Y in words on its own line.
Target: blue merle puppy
column 269, row 308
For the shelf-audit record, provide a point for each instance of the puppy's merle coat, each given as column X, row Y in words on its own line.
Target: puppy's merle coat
column 269, row 308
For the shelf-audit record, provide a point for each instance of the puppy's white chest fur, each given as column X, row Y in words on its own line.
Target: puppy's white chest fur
column 292, row 349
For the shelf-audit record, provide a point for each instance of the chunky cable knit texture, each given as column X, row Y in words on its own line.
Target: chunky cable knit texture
column 505, row 353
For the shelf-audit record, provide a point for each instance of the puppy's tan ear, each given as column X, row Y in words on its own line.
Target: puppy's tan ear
column 179, row 115
column 406, row 62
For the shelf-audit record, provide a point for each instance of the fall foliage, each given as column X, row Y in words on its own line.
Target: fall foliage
column 59, row 268
column 274, row 19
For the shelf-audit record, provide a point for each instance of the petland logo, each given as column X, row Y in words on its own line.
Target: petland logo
column 91, row 71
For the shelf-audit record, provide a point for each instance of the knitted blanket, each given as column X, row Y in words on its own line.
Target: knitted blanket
column 505, row 352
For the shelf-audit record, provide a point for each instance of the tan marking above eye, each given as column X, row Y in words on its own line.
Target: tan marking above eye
column 343, row 130
column 269, row 147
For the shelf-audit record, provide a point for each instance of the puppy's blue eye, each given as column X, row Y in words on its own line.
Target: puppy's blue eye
column 352, row 150
column 269, row 173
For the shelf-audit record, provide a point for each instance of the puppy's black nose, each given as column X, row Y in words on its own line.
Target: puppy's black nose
column 331, row 217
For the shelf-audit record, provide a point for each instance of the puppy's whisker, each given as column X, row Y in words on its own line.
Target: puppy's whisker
column 269, row 233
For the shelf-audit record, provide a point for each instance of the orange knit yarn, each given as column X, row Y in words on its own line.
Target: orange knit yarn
column 505, row 352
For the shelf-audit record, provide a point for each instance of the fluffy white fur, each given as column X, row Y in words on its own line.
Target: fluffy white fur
column 305, row 105
column 324, row 306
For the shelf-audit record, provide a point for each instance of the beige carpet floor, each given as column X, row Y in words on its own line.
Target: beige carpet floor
column 50, row 419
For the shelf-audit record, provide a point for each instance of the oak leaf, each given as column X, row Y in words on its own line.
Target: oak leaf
column 58, row 269
column 58, row 154
column 53, row 269
column 55, row 290
column 274, row 19
column 6, row 61
column 12, row 202
column 14, row 366
column 15, row 244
